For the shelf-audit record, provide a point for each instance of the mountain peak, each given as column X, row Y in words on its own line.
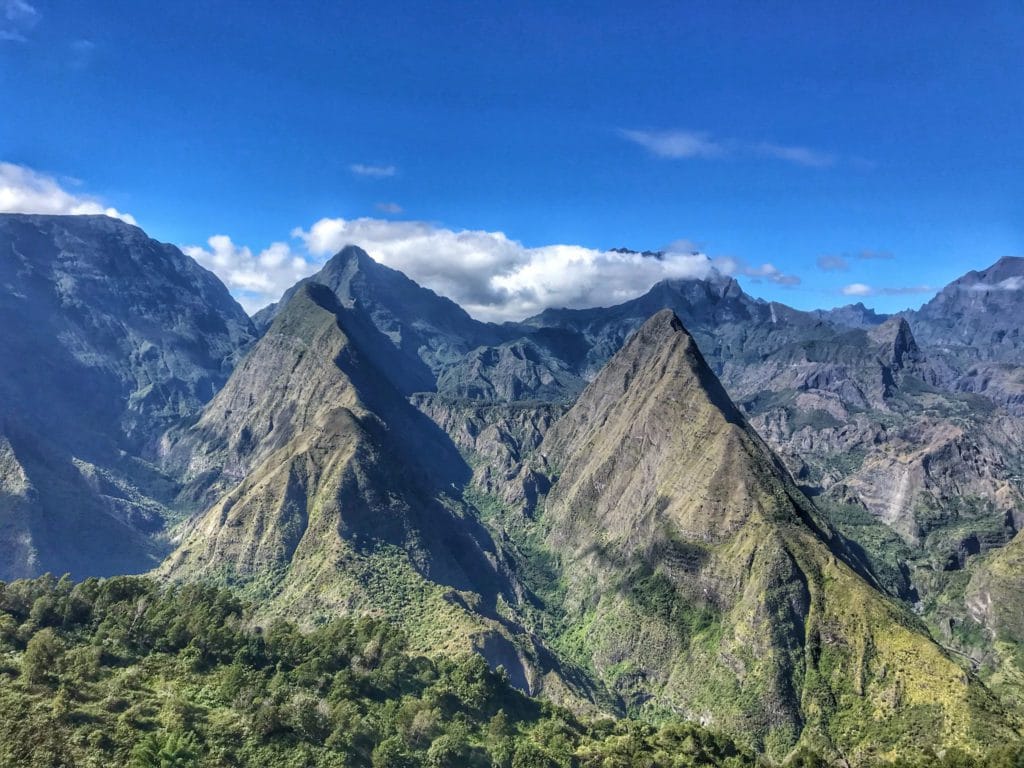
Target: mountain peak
column 350, row 255
column 663, row 321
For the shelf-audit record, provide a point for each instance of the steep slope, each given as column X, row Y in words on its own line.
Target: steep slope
column 109, row 330
column 697, row 579
column 108, row 337
column 331, row 492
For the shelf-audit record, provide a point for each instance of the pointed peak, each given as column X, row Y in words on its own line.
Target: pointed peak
column 666, row 320
column 895, row 330
column 351, row 257
column 352, row 252
column 661, row 330
column 897, row 341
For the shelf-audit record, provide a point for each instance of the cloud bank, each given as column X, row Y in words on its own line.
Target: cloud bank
column 23, row 190
column 496, row 278
column 255, row 279
column 489, row 274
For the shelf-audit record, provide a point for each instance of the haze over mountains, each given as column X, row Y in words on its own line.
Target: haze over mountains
column 800, row 527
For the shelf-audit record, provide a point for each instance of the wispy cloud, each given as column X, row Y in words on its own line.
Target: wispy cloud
column 758, row 273
column 392, row 209
column 833, row 263
column 375, row 171
column 812, row 158
column 82, row 52
column 1015, row 283
column 17, row 18
column 862, row 289
column 699, row 144
column 23, row 190
column 676, row 144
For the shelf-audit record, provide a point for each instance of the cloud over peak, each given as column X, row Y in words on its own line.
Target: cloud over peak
column 23, row 190
column 255, row 279
column 491, row 275
column 496, row 278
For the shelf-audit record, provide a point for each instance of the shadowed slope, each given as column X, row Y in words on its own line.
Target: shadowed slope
column 330, row 492
column 106, row 338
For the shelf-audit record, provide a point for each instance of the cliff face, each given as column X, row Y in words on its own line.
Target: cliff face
column 108, row 337
column 973, row 326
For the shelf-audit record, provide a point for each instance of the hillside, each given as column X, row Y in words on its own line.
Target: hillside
column 698, row 580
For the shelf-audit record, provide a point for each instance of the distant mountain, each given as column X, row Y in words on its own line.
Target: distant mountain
column 852, row 316
column 429, row 331
column 974, row 327
column 108, row 338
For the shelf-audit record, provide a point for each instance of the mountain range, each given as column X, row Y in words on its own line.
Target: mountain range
column 800, row 528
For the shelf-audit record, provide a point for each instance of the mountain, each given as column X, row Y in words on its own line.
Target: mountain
column 761, row 526
column 323, row 490
column 430, row 332
column 108, row 338
column 698, row 580
column 974, row 327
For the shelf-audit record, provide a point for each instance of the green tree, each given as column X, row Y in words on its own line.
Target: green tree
column 41, row 656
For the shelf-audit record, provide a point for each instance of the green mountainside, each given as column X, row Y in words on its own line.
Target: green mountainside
column 701, row 581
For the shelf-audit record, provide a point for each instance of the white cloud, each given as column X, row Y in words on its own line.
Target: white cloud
column 689, row 144
column 496, row 278
column 392, row 209
column 857, row 289
column 757, row 273
column 375, row 171
column 255, row 279
column 798, row 155
column 23, row 190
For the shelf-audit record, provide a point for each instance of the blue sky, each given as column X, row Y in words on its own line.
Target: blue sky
column 799, row 138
